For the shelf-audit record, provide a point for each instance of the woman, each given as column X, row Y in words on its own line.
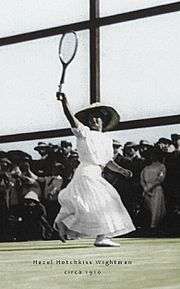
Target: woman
column 152, row 177
column 90, row 206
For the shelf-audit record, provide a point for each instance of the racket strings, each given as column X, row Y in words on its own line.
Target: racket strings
column 67, row 47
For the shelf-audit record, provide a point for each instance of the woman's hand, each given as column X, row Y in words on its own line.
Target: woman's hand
column 67, row 111
column 61, row 96
column 129, row 174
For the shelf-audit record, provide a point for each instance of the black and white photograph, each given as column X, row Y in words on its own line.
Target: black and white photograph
column 90, row 144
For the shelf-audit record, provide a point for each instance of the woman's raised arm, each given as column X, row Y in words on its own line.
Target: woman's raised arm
column 67, row 111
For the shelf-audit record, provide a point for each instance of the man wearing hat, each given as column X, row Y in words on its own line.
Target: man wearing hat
column 144, row 146
column 116, row 147
column 165, row 144
column 176, row 141
column 172, row 180
column 90, row 206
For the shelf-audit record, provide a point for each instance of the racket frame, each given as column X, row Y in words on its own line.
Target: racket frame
column 65, row 64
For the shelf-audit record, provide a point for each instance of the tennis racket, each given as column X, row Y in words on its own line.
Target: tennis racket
column 67, row 50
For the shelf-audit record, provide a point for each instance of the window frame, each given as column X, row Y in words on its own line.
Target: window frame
column 93, row 25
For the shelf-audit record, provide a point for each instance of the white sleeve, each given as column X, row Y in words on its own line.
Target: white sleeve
column 81, row 131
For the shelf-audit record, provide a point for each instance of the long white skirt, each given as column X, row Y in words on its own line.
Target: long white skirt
column 90, row 206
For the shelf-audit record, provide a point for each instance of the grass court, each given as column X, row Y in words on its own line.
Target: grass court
column 136, row 264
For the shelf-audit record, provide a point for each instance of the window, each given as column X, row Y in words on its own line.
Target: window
column 30, row 78
column 140, row 67
column 151, row 134
column 22, row 16
column 139, row 61
column 116, row 7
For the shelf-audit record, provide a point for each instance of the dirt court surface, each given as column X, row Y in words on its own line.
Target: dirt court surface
column 136, row 264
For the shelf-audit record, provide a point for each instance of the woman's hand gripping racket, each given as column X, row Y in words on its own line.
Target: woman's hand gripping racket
column 67, row 50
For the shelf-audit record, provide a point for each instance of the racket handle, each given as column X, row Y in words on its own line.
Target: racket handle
column 63, row 75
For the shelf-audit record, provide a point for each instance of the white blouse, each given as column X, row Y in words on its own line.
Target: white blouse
column 94, row 147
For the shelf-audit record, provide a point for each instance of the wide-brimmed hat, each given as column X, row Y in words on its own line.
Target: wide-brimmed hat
column 165, row 141
column 131, row 144
column 32, row 196
column 41, row 145
column 145, row 143
column 66, row 144
column 109, row 115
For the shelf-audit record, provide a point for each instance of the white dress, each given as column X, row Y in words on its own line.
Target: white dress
column 89, row 204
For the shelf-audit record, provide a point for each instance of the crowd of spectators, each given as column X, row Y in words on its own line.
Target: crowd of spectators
column 29, row 190
column 149, row 187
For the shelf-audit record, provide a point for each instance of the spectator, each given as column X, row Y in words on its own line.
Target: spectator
column 66, row 147
column 164, row 144
column 144, row 146
column 172, row 180
column 22, row 176
column 177, row 172
column 74, row 160
column 65, row 158
column 152, row 177
column 42, row 166
column 30, row 221
column 116, row 147
column 27, row 180
column 19, row 174
column 176, row 141
column 5, row 185
column 130, row 150
column 42, row 149
column 136, row 164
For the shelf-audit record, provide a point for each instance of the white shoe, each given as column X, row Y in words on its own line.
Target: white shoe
column 106, row 242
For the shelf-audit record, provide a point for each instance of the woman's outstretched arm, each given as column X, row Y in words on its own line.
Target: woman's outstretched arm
column 113, row 166
column 67, row 111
